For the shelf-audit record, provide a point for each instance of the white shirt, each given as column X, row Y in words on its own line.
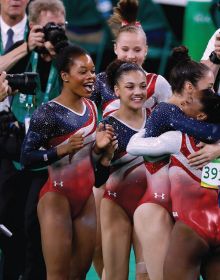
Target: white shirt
column 19, row 32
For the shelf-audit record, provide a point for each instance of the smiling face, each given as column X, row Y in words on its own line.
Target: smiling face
column 131, row 47
column 81, row 76
column 131, row 89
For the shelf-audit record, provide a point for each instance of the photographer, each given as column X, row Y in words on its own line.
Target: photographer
column 19, row 188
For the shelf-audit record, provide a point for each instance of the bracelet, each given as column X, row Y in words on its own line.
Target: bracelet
column 213, row 58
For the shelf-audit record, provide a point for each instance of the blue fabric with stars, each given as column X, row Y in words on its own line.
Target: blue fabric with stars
column 102, row 93
column 49, row 121
column 166, row 117
column 122, row 131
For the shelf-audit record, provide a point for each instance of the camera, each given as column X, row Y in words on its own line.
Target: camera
column 55, row 34
column 25, row 82
column 8, row 124
column 11, row 136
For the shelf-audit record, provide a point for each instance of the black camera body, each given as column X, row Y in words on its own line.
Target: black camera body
column 55, row 34
column 11, row 136
column 8, row 124
column 25, row 83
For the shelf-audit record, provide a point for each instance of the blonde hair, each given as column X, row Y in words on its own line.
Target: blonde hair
column 37, row 6
column 124, row 18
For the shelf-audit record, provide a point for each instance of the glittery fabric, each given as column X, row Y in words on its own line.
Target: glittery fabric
column 72, row 176
column 192, row 204
column 166, row 117
column 127, row 180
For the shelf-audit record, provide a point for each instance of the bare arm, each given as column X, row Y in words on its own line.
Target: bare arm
column 214, row 67
column 35, row 39
column 8, row 60
column 207, row 153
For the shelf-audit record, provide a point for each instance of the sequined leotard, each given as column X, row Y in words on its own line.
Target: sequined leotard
column 127, row 180
column 192, row 204
column 166, row 117
column 51, row 125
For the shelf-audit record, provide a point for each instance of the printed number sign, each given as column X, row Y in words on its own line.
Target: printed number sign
column 211, row 174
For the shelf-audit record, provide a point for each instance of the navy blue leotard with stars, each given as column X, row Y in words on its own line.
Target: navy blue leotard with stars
column 166, row 117
column 127, row 180
column 52, row 125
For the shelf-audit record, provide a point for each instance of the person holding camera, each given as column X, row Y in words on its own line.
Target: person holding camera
column 13, row 28
column 18, row 187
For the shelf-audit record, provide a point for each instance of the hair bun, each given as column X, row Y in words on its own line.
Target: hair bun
column 180, row 54
column 128, row 10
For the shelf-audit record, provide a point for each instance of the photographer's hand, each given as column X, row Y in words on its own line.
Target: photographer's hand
column 35, row 38
column 5, row 90
column 51, row 51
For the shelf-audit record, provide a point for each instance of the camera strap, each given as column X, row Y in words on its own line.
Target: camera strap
column 46, row 95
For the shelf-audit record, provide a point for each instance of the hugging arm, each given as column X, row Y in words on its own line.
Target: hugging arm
column 166, row 143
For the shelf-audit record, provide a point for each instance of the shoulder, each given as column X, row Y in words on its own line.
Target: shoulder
column 44, row 111
column 101, row 77
column 164, row 108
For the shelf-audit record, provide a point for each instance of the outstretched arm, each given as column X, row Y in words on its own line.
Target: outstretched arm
column 166, row 143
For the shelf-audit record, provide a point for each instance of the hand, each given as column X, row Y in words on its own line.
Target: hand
column 74, row 144
column 5, row 90
column 207, row 153
column 109, row 152
column 104, row 136
column 36, row 37
column 217, row 45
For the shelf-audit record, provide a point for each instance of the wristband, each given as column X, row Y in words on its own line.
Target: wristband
column 213, row 58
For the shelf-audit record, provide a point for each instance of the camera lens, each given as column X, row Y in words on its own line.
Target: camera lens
column 26, row 82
